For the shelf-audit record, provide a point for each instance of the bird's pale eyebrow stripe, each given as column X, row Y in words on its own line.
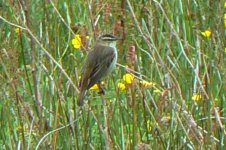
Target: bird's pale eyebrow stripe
column 109, row 38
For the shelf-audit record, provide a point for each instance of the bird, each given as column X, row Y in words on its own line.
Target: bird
column 99, row 63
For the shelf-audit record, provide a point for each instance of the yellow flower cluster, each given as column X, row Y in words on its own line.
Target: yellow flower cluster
column 196, row 97
column 206, row 33
column 95, row 87
column 76, row 41
column 17, row 30
column 146, row 83
column 128, row 79
column 121, row 86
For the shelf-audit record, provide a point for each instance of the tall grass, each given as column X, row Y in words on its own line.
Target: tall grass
column 181, row 106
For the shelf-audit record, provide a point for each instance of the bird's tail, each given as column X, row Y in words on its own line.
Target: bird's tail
column 81, row 97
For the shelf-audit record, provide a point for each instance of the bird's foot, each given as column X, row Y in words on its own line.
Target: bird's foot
column 101, row 89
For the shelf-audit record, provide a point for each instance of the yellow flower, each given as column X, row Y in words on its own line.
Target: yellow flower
column 224, row 4
column 121, row 86
column 17, row 30
column 128, row 78
column 206, row 33
column 146, row 83
column 76, row 41
column 196, row 97
column 95, row 87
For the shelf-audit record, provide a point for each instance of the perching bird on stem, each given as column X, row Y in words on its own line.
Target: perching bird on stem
column 99, row 63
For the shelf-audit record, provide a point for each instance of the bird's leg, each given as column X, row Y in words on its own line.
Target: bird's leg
column 101, row 88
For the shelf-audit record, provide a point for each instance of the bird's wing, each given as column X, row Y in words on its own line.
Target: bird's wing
column 96, row 68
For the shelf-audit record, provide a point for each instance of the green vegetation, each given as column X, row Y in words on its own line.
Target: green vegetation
column 167, row 92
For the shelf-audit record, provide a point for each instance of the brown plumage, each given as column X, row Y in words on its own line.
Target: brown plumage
column 96, row 68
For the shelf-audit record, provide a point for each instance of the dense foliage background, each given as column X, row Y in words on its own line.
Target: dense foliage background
column 167, row 92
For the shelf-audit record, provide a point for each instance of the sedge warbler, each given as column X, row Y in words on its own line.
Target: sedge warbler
column 98, row 64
